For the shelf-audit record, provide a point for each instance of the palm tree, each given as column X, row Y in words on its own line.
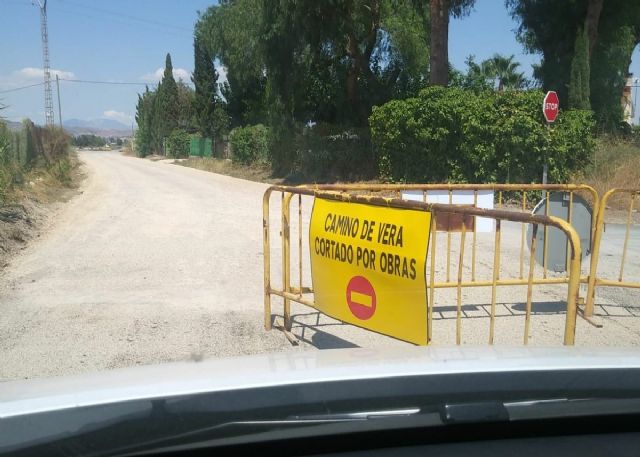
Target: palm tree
column 482, row 71
column 504, row 69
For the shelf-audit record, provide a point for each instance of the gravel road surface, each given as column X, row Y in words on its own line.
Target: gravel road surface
column 154, row 262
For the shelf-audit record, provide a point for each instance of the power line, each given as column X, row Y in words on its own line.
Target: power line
column 127, row 83
column 128, row 16
column 123, row 17
column 15, row 89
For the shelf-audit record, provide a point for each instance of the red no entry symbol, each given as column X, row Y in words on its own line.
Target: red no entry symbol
column 361, row 297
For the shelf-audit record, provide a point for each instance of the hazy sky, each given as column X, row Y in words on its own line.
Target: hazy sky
column 127, row 40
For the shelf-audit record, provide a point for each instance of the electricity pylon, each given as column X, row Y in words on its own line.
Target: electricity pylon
column 48, row 99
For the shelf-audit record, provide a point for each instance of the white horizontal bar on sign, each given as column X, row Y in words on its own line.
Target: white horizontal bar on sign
column 458, row 197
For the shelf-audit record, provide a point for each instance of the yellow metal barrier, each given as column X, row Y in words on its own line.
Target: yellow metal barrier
column 595, row 281
column 345, row 193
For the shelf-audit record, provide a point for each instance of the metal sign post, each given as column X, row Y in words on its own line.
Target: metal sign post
column 550, row 107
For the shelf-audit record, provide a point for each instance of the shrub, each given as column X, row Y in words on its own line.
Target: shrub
column 250, row 144
column 60, row 171
column 452, row 134
column 178, row 144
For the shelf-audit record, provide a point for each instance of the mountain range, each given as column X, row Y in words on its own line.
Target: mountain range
column 101, row 127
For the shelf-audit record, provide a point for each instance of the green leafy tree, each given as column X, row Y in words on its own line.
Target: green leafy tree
column 230, row 33
column 91, row 140
column 552, row 28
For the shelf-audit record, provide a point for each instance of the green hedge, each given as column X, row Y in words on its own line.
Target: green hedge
column 250, row 144
column 178, row 144
column 455, row 135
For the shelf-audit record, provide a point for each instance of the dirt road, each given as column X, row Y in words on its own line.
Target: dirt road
column 154, row 262
column 151, row 263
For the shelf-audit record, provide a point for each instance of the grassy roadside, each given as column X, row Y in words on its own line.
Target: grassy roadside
column 253, row 172
column 28, row 205
column 615, row 164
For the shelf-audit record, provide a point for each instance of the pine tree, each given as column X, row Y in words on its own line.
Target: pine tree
column 579, row 90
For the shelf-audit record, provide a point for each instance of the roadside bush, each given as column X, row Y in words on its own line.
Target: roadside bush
column 30, row 148
column 60, row 171
column 6, row 159
column 250, row 144
column 54, row 142
column 456, row 135
column 178, row 144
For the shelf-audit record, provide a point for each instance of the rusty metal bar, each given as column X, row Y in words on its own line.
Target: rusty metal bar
column 500, row 199
column 459, row 291
column 512, row 216
column 532, row 265
column 626, row 236
column 496, row 269
column 443, row 186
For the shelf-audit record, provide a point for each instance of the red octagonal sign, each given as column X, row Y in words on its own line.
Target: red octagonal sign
column 550, row 106
column 361, row 297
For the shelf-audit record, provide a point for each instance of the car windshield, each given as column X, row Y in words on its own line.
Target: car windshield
column 192, row 181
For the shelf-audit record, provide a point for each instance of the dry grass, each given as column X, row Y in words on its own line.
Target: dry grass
column 254, row 172
column 28, row 206
column 615, row 164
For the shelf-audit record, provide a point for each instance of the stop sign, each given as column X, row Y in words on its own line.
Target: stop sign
column 550, row 106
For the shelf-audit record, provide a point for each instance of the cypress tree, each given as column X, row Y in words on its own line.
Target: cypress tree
column 205, row 80
column 579, row 91
column 165, row 116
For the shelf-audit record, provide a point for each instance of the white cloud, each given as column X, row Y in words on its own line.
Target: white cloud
column 30, row 75
column 118, row 116
column 38, row 73
column 178, row 73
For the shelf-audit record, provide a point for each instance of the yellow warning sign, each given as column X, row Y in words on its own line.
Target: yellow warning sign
column 368, row 266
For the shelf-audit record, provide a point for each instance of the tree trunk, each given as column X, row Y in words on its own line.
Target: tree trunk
column 439, row 58
column 594, row 8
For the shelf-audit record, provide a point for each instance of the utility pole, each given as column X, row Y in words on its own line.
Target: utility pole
column 59, row 107
column 48, row 98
